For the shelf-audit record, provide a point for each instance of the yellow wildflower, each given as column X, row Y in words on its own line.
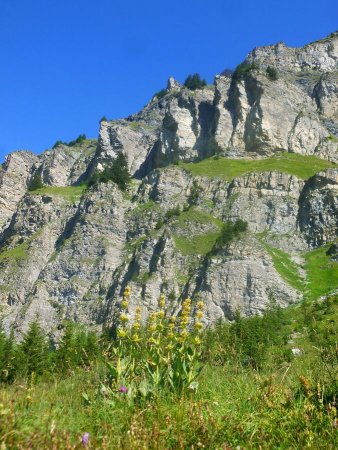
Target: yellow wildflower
column 121, row 332
column 197, row 340
column 200, row 305
column 127, row 291
column 124, row 318
column 124, row 304
column 184, row 321
column 161, row 302
column 152, row 316
column 184, row 334
column 198, row 325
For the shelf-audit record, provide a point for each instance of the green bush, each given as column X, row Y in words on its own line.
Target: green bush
column 243, row 69
column 272, row 73
column 194, row 82
column 230, row 231
column 195, row 192
column 117, row 172
column 57, row 143
column 173, row 212
column 35, row 183
column 160, row 94
column 77, row 141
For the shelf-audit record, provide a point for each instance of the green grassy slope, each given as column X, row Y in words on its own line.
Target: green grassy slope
column 302, row 166
column 322, row 272
column 197, row 244
column 286, row 267
column 70, row 193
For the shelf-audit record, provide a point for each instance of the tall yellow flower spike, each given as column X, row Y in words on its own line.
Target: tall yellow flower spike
column 200, row 305
column 161, row 302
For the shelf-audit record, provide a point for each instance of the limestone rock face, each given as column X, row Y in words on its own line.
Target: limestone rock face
column 259, row 115
column 326, row 95
column 14, row 176
column 135, row 139
column 245, row 280
column 64, row 165
column 321, row 55
column 67, row 253
column 186, row 132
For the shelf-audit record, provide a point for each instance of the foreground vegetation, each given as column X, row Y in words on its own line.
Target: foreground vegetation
column 246, row 387
column 302, row 166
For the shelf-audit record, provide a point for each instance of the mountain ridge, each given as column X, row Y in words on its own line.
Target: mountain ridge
column 70, row 253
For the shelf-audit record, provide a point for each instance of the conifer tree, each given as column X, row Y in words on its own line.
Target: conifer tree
column 67, row 357
column 35, row 349
column 35, row 183
column 117, row 172
column 194, row 82
column 3, row 343
column 8, row 357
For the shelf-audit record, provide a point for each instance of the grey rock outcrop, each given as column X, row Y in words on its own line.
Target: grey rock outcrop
column 14, row 176
column 321, row 55
column 65, row 165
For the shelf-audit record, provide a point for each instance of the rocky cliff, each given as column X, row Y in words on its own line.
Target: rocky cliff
column 259, row 145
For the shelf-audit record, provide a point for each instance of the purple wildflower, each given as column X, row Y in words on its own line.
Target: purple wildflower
column 85, row 439
column 123, row 390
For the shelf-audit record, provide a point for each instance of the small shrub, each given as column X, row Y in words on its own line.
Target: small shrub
column 159, row 224
column 35, row 183
column 272, row 73
column 194, row 193
column 160, row 94
column 58, row 143
column 117, row 172
column 77, row 141
column 173, row 212
column 194, row 82
column 227, row 73
column 243, row 69
column 230, row 231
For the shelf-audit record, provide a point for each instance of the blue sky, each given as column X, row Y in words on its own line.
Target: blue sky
column 65, row 64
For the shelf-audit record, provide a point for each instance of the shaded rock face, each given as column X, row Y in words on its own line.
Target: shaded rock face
column 71, row 256
column 318, row 215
